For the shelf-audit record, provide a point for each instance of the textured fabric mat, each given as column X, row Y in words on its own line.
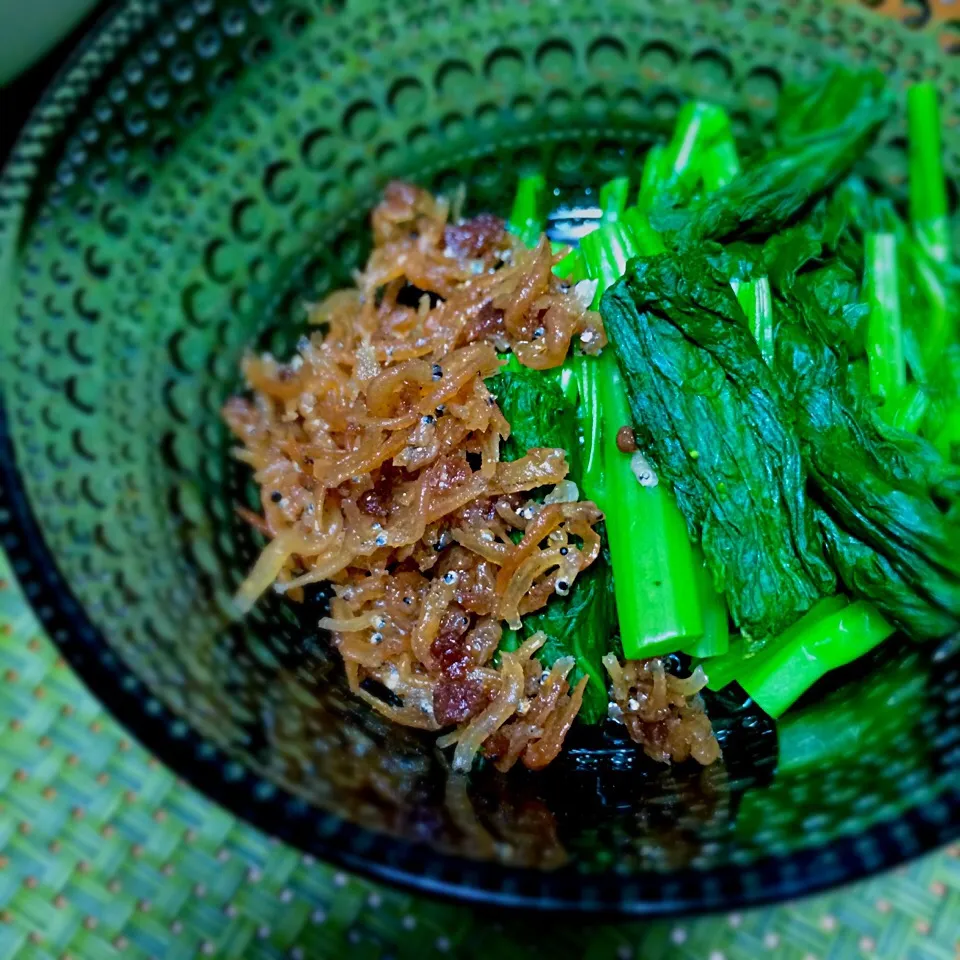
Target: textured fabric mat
column 104, row 853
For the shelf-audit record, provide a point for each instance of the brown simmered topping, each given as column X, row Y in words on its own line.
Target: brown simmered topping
column 377, row 451
column 661, row 712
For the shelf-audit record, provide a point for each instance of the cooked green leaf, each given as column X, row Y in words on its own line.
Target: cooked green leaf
column 581, row 626
column 712, row 420
column 823, row 131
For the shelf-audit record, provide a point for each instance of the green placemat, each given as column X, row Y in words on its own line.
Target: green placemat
column 105, row 853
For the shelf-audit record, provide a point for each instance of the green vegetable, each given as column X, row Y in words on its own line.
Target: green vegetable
column 778, row 680
column 613, row 199
column 928, row 189
column 715, row 640
column 723, row 670
column 909, row 409
column 528, row 214
column 655, row 581
column 699, row 128
column 580, row 626
column 888, row 369
column 565, row 266
column 930, row 304
column 712, row 419
column 720, row 164
column 828, row 131
column 654, row 178
column 538, row 411
column 755, row 298
column 879, row 489
column 833, row 633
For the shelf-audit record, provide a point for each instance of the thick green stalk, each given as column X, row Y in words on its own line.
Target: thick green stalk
column 947, row 437
column 757, row 302
column 908, row 411
column 715, row 641
column 655, row 577
column 720, row 164
column 777, row 681
column 722, row 671
column 654, row 178
column 935, row 328
column 528, row 215
column 647, row 241
column 928, row 190
column 564, row 267
column 700, row 126
column 888, row 371
column 613, row 199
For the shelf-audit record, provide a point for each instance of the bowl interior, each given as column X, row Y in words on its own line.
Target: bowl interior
column 201, row 174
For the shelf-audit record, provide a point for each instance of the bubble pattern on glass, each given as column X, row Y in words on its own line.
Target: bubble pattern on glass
column 182, row 205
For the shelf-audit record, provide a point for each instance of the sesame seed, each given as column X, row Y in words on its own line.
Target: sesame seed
column 563, row 551
column 436, row 371
column 276, row 496
column 451, row 578
column 381, row 540
column 376, row 638
column 427, row 419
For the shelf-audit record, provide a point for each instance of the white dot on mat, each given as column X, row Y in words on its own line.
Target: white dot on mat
column 867, row 944
column 624, row 952
column 678, row 935
column 286, row 896
column 828, row 922
column 207, row 948
column 353, row 937
column 409, row 922
column 263, row 931
column 921, row 926
column 254, row 875
column 883, row 906
column 297, row 953
column 374, row 900
column 340, row 879
column 735, row 919
column 771, row 940
column 319, row 916
column 810, row 956
column 442, row 944
column 717, row 955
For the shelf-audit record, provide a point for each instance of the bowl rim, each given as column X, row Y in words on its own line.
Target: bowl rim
column 379, row 856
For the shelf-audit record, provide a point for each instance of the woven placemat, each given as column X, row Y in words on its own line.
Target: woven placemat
column 105, row 853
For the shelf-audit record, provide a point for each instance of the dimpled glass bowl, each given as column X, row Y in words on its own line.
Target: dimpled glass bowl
column 200, row 171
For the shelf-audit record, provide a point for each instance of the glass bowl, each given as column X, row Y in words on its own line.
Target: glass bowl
column 200, row 171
